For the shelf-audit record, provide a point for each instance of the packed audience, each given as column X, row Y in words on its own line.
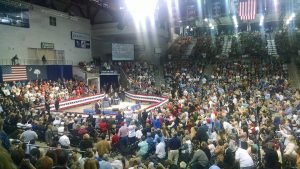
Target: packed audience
column 141, row 77
column 178, row 47
column 88, row 66
column 243, row 115
column 37, row 93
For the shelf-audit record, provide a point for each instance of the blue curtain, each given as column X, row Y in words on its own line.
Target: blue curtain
column 59, row 72
column 108, row 80
column 68, row 72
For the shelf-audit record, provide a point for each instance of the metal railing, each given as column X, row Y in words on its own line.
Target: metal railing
column 31, row 61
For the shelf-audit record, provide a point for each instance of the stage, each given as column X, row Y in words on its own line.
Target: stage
column 123, row 105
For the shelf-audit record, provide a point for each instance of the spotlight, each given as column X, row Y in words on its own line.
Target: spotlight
column 293, row 15
column 205, row 19
column 187, row 27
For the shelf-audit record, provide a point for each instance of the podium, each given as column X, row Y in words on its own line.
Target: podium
column 105, row 104
column 116, row 101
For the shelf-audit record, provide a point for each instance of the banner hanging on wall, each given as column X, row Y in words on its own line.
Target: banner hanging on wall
column 82, row 44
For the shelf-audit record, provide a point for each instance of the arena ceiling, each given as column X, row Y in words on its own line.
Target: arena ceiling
column 98, row 11
column 108, row 11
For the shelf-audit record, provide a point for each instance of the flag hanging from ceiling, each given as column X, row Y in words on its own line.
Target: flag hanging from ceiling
column 14, row 73
column 247, row 9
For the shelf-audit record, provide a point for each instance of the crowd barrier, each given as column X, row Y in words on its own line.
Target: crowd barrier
column 77, row 102
column 156, row 100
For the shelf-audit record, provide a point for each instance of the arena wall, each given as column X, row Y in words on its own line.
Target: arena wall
column 17, row 40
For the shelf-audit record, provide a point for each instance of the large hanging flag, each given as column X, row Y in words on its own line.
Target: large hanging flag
column 247, row 9
column 14, row 73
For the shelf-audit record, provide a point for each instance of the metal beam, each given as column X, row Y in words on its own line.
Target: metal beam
column 92, row 18
column 81, row 11
column 88, row 10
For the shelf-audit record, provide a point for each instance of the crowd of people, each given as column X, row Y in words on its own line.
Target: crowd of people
column 178, row 47
column 19, row 95
column 242, row 115
column 88, row 66
column 141, row 77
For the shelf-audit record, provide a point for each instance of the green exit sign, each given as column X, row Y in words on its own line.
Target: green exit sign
column 45, row 45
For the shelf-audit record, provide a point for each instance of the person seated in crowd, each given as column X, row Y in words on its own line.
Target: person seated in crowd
column 86, row 143
column 29, row 135
column 143, row 147
column 64, row 141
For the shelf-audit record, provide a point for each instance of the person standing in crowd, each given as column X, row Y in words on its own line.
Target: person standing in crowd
column 47, row 106
column 174, row 145
column 56, row 104
column 98, row 107
column 123, row 134
column 131, row 132
column 51, row 135
column 244, row 159
column 160, row 150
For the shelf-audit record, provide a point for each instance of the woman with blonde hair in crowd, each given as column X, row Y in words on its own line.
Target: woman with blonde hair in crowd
column 91, row 163
column 290, row 149
column 165, row 131
column 44, row 163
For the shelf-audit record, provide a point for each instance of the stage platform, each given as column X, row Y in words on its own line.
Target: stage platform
column 90, row 107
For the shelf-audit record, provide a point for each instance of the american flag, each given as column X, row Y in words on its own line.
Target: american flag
column 247, row 9
column 14, row 73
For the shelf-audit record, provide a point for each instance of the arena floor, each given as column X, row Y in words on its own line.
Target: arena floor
column 122, row 105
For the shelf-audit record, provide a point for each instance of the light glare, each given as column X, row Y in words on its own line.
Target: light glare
column 141, row 9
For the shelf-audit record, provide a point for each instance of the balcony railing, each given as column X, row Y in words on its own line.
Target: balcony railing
column 30, row 61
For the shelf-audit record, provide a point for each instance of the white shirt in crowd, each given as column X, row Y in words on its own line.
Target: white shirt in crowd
column 131, row 131
column 64, row 140
column 213, row 136
column 138, row 134
column 211, row 148
column 61, row 130
column 56, row 122
column 160, row 150
column 243, row 157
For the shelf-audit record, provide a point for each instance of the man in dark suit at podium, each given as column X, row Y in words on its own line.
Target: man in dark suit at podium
column 98, row 107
